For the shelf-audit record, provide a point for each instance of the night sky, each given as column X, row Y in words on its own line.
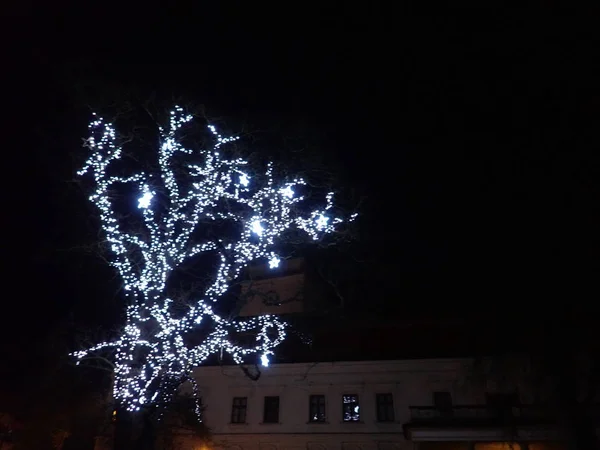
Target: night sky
column 473, row 137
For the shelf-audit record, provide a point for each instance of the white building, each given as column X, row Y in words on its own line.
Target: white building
column 368, row 405
column 301, row 406
column 364, row 404
column 359, row 400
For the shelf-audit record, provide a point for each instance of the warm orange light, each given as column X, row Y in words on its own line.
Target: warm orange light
column 497, row 446
column 546, row 446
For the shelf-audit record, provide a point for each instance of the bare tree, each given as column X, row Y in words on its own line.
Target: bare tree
column 199, row 201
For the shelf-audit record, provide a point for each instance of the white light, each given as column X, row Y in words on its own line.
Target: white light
column 267, row 211
column 274, row 262
column 145, row 199
column 264, row 360
column 257, row 228
column 322, row 222
column 287, row 192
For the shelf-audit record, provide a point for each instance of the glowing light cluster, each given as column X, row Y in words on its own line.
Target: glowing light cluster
column 151, row 353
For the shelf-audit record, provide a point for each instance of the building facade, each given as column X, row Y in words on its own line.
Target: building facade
column 368, row 383
column 366, row 405
column 379, row 394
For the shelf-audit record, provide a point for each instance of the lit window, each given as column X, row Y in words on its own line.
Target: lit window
column 350, row 408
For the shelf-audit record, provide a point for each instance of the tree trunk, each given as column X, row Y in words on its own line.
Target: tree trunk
column 147, row 436
column 134, row 431
column 123, row 430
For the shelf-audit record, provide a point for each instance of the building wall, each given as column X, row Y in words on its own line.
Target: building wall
column 410, row 382
column 279, row 295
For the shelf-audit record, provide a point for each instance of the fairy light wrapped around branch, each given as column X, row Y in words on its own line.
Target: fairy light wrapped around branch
column 265, row 209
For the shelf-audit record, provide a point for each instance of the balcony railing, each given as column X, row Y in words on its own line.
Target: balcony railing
column 426, row 413
column 479, row 413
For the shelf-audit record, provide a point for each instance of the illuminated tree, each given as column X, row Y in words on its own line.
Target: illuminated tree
column 211, row 186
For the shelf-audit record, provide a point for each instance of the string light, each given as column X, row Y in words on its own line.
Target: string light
column 274, row 262
column 244, row 180
column 287, row 191
column 145, row 199
column 151, row 357
column 264, row 360
column 322, row 222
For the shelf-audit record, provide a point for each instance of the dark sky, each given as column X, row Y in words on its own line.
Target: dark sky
column 473, row 135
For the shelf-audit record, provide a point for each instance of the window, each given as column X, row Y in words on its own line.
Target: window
column 502, row 401
column 442, row 401
column 271, row 410
column 316, row 408
column 238, row 410
column 500, row 405
column 385, row 407
column 350, row 408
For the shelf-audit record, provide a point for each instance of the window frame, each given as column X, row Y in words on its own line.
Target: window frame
column 318, row 406
column 356, row 403
column 446, row 402
column 276, row 415
column 236, row 410
column 382, row 405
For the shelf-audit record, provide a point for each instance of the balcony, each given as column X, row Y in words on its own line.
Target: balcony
column 479, row 414
column 486, row 423
column 472, row 422
column 433, row 414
